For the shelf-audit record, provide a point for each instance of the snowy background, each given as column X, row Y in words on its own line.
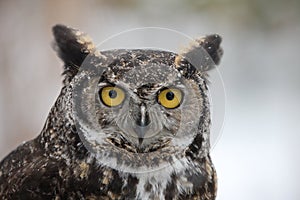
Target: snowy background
column 257, row 155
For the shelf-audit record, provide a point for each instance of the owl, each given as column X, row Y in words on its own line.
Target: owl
column 128, row 124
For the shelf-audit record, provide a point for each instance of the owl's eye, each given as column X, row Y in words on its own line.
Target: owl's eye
column 112, row 96
column 170, row 97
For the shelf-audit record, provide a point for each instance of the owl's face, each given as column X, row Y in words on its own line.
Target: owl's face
column 138, row 110
column 137, row 103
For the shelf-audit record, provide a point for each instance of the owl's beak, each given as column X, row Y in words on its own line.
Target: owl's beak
column 142, row 123
column 140, row 131
column 141, row 141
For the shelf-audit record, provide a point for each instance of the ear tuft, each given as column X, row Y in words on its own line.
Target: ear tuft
column 203, row 53
column 72, row 47
column 211, row 44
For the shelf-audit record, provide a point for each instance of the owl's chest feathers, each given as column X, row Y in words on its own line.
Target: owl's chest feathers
column 168, row 182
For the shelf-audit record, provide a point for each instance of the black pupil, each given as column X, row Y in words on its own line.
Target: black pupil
column 170, row 96
column 112, row 94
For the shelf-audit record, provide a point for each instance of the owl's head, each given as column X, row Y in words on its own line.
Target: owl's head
column 138, row 109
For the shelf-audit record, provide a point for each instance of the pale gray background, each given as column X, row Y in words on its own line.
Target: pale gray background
column 257, row 155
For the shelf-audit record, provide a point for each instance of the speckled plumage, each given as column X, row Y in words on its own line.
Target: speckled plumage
column 69, row 160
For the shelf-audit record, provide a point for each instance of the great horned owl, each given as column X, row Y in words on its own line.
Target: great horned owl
column 128, row 124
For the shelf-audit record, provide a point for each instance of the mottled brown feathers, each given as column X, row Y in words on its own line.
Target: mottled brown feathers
column 88, row 150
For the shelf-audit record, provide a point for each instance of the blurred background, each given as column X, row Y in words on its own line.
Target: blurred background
column 257, row 156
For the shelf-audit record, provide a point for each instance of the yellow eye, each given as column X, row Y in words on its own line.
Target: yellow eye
column 170, row 97
column 112, row 96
